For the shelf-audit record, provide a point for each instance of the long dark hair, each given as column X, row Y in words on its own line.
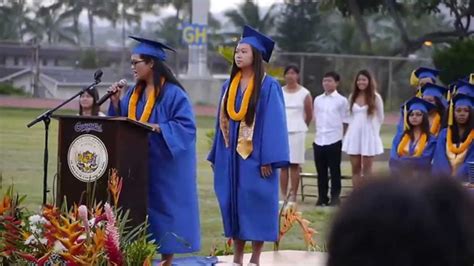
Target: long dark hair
column 95, row 96
column 425, row 126
column 258, row 71
column 455, row 138
column 160, row 69
column 369, row 91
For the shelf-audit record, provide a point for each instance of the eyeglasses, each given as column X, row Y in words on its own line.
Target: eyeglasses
column 134, row 63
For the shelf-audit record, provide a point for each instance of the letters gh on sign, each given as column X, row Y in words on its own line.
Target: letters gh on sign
column 194, row 34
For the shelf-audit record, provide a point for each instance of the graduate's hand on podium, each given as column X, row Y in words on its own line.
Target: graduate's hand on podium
column 266, row 170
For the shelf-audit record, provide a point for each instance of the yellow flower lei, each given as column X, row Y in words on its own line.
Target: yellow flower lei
column 457, row 150
column 403, row 149
column 232, row 94
column 436, row 125
column 150, row 102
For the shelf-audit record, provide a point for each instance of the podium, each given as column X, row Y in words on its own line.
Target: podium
column 89, row 147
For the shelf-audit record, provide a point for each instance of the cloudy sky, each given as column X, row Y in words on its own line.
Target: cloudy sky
column 221, row 5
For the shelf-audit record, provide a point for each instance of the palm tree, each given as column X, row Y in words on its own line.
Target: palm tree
column 101, row 9
column 55, row 23
column 249, row 13
column 14, row 20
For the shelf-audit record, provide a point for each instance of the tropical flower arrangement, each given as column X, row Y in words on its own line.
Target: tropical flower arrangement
column 81, row 235
column 289, row 216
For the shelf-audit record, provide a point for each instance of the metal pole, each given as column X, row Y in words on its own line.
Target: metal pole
column 302, row 69
column 36, row 92
column 390, row 84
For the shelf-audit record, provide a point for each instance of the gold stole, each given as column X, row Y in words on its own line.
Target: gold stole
column 403, row 148
column 244, row 142
column 457, row 153
column 435, row 122
column 455, row 160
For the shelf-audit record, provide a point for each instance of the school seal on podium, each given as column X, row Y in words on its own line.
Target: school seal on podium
column 87, row 158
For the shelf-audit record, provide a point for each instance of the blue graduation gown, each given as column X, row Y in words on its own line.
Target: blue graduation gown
column 441, row 165
column 172, row 197
column 399, row 164
column 249, row 202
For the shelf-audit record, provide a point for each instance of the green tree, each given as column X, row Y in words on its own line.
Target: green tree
column 398, row 11
column 101, row 9
column 304, row 37
column 54, row 24
column 89, row 59
column 249, row 13
column 14, row 20
column 456, row 61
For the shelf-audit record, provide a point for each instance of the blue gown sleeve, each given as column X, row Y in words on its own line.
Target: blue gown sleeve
column 179, row 131
column 274, row 138
column 394, row 161
column 123, row 103
column 423, row 162
column 463, row 171
column 441, row 165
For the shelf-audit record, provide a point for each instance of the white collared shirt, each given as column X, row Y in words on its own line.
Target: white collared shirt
column 331, row 111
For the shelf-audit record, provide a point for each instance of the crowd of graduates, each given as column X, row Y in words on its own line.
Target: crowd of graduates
column 435, row 132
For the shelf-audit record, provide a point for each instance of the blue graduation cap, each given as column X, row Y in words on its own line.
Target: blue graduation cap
column 434, row 90
column 425, row 72
column 416, row 103
column 150, row 48
column 259, row 41
column 412, row 104
column 463, row 100
column 459, row 100
column 464, row 87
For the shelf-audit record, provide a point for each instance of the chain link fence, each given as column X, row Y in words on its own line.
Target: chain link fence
column 391, row 73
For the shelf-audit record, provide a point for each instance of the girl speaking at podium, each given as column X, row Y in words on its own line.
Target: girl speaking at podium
column 159, row 100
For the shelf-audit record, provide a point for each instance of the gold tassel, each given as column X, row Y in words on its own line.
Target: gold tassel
column 414, row 81
column 471, row 78
column 448, row 95
column 419, row 94
column 406, row 126
column 451, row 113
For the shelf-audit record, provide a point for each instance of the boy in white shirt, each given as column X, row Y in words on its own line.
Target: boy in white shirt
column 330, row 116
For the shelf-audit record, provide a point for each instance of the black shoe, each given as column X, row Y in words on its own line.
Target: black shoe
column 335, row 202
column 321, row 203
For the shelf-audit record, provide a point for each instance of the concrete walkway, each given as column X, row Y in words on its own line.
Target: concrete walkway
column 282, row 258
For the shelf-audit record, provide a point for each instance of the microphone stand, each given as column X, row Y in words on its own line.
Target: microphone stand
column 46, row 118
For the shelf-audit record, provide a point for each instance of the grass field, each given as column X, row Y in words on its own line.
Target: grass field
column 21, row 157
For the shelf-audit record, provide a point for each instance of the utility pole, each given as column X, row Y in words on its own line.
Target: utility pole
column 36, row 87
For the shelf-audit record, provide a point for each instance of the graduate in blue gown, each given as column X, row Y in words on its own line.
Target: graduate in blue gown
column 436, row 94
column 159, row 100
column 452, row 156
column 413, row 148
column 418, row 78
column 250, row 144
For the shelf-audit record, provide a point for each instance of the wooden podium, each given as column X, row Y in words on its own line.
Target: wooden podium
column 89, row 147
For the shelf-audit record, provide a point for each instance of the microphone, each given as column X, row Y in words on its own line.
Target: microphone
column 98, row 75
column 121, row 84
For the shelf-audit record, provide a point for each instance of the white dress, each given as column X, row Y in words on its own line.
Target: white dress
column 297, row 128
column 363, row 134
